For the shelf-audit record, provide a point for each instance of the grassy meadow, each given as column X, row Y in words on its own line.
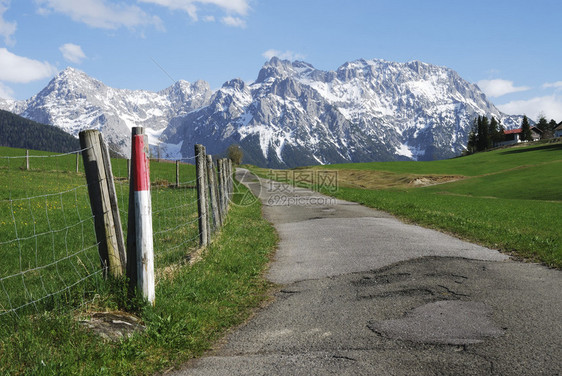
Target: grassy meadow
column 508, row 199
column 195, row 305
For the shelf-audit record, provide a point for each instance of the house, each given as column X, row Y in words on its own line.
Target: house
column 513, row 136
column 558, row 130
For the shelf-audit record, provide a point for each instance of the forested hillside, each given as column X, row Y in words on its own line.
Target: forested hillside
column 18, row 132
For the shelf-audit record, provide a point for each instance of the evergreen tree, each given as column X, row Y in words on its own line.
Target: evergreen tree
column 472, row 138
column 495, row 132
column 542, row 124
column 483, row 140
column 526, row 129
column 18, row 132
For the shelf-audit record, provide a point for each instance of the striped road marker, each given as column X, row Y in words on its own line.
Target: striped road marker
column 143, row 219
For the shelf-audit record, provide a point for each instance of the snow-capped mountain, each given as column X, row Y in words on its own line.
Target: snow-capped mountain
column 75, row 101
column 293, row 114
column 366, row 110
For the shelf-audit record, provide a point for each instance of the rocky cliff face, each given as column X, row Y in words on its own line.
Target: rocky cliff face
column 73, row 101
column 292, row 115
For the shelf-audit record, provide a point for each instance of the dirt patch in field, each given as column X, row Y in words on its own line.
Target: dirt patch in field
column 384, row 179
column 434, row 179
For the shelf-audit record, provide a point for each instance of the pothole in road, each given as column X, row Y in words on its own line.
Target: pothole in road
column 450, row 322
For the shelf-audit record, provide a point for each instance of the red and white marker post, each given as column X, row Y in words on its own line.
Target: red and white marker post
column 143, row 219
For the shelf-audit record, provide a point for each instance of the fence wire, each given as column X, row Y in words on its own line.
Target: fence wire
column 48, row 247
column 174, row 209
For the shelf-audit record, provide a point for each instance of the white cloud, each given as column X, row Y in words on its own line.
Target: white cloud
column 499, row 87
column 101, row 13
column 550, row 106
column 7, row 29
column 6, row 92
column 72, row 52
column 239, row 7
column 557, row 85
column 285, row 55
column 20, row 69
column 209, row 19
column 234, row 21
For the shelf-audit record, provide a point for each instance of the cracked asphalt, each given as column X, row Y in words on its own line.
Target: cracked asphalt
column 362, row 293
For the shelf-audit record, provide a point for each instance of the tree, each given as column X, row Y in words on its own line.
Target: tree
column 542, row 124
column 235, row 154
column 472, row 138
column 525, row 130
column 484, row 140
column 495, row 131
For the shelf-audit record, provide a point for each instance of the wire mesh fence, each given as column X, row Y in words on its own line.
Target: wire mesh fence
column 48, row 249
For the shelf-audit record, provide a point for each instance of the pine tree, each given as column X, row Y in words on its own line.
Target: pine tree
column 525, row 129
column 483, row 141
column 542, row 124
column 495, row 132
column 472, row 138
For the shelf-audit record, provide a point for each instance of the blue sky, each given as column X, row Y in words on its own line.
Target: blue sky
column 511, row 48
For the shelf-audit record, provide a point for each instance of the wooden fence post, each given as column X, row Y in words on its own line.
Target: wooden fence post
column 213, row 192
column 120, row 238
column 98, row 188
column 27, row 160
column 200, row 160
column 177, row 174
column 143, row 219
column 77, row 162
column 226, row 185
column 230, row 182
column 220, row 178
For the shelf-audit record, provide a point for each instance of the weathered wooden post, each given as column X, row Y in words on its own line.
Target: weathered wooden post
column 143, row 219
column 98, row 179
column 177, row 174
column 129, row 166
column 213, row 192
column 200, row 160
column 77, row 162
column 114, row 203
column 221, row 192
column 27, row 160
column 230, row 181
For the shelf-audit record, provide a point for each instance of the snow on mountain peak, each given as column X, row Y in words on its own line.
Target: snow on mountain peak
column 293, row 114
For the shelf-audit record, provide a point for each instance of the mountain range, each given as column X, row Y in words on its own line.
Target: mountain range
column 292, row 115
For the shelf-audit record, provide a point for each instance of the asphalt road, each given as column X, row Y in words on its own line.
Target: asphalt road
column 362, row 293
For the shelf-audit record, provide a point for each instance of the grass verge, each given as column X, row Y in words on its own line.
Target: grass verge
column 195, row 306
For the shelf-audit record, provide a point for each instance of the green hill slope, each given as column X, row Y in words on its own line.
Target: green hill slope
column 18, row 132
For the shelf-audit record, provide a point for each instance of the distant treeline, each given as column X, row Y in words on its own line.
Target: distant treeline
column 19, row 132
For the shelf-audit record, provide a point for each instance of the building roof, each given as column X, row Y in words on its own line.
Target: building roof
column 520, row 130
